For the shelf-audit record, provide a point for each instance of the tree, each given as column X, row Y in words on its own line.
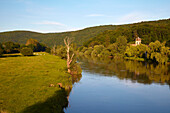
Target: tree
column 88, row 51
column 31, row 41
column 121, row 44
column 35, row 45
column 1, row 49
column 11, row 47
column 158, row 52
column 96, row 51
column 27, row 51
column 67, row 42
column 113, row 49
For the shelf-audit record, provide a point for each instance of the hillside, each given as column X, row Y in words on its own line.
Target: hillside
column 50, row 39
column 148, row 31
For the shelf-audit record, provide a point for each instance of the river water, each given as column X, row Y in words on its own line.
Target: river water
column 120, row 87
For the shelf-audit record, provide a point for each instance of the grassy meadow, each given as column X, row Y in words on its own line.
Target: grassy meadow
column 24, row 83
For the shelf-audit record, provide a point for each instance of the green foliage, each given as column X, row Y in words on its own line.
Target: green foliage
column 113, row 49
column 35, row 45
column 27, row 51
column 31, row 41
column 97, row 50
column 11, row 47
column 93, row 43
column 88, row 51
column 48, row 50
column 148, row 31
column 131, row 51
column 158, row 52
column 84, row 49
column 1, row 49
column 76, row 69
column 51, row 39
column 136, row 51
column 121, row 44
column 105, row 54
column 61, row 51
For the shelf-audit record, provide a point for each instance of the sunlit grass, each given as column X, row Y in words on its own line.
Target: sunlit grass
column 24, row 81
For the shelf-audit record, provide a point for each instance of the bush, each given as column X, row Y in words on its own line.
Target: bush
column 88, row 51
column 105, row 54
column 26, row 51
column 1, row 51
column 48, row 50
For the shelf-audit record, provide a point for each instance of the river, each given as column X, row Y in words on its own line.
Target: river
column 120, row 87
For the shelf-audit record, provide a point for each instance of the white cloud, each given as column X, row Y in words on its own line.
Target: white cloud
column 95, row 15
column 134, row 17
column 51, row 23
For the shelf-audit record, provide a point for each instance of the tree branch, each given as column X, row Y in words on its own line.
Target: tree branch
column 71, row 58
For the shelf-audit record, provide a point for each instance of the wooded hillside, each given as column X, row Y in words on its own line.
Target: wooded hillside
column 148, row 31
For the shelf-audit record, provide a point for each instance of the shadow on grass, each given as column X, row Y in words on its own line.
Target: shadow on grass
column 54, row 104
column 4, row 56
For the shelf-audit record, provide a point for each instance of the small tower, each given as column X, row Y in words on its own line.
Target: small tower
column 138, row 41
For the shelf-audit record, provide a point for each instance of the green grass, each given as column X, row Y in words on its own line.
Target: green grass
column 24, row 83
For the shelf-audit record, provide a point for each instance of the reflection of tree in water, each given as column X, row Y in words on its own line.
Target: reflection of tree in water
column 135, row 71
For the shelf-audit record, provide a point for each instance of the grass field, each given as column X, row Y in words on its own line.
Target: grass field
column 24, row 83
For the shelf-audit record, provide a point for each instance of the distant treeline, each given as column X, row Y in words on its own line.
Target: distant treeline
column 105, row 35
column 12, row 47
column 155, row 51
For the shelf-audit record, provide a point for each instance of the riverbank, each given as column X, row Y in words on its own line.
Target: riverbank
column 24, row 83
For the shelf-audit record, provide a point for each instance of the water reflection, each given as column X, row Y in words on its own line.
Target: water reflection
column 140, row 72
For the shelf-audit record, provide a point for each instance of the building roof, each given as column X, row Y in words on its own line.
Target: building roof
column 138, row 39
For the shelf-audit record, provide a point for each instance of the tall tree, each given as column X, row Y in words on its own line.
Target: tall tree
column 67, row 42
column 121, row 44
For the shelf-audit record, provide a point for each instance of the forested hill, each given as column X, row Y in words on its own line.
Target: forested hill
column 148, row 31
column 50, row 39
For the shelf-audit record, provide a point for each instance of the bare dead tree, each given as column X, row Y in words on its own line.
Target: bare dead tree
column 67, row 42
column 53, row 50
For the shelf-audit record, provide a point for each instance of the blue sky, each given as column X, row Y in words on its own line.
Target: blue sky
column 67, row 15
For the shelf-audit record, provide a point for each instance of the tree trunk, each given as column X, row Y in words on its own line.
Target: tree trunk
column 67, row 42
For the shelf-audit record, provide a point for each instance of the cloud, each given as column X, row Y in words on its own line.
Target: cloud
column 95, row 15
column 51, row 23
column 134, row 17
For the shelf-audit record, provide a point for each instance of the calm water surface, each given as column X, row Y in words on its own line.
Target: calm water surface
column 120, row 87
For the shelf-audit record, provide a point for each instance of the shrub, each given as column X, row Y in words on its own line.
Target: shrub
column 97, row 49
column 1, row 51
column 26, row 51
column 48, row 50
column 105, row 53
column 88, row 51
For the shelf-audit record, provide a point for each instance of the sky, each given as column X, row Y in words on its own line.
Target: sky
column 68, row 15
